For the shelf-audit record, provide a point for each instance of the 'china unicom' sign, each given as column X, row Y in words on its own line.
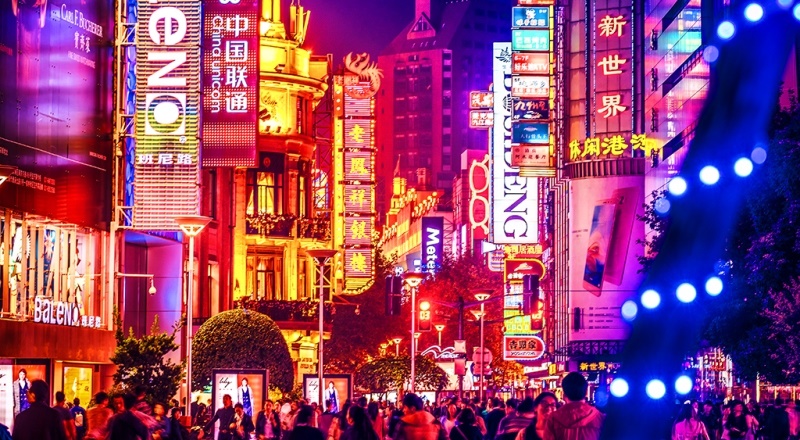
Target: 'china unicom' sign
column 167, row 103
column 514, row 198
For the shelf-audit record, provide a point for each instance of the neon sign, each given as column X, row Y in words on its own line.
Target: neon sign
column 611, row 105
column 167, row 95
column 612, row 146
column 479, row 198
column 432, row 242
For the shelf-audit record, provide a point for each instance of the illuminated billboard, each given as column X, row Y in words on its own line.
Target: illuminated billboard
column 530, row 109
column 230, row 82
column 605, row 244
column 514, row 198
column 530, row 63
column 479, row 198
column 530, row 39
column 56, row 108
column 479, row 100
column 481, row 119
column 530, row 133
column 609, row 147
column 612, row 69
column 530, row 86
column 527, row 17
column 432, row 243
column 167, row 109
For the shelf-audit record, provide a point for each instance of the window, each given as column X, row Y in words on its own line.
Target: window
column 446, row 121
column 446, row 139
column 447, row 83
column 264, row 276
column 302, row 196
column 302, row 271
column 264, row 192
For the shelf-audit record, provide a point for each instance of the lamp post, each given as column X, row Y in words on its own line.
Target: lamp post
column 439, row 328
column 322, row 257
column 413, row 280
column 482, row 296
column 416, row 342
column 191, row 225
column 397, row 346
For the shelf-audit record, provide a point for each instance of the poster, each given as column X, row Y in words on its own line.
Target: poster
column 605, row 244
column 16, row 385
column 338, row 388
column 6, row 394
column 248, row 387
column 78, row 383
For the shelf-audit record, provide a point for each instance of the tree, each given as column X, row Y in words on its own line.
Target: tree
column 241, row 339
column 391, row 373
column 143, row 361
column 656, row 224
column 755, row 320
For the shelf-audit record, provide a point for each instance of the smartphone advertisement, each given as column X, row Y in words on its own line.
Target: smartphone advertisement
column 605, row 244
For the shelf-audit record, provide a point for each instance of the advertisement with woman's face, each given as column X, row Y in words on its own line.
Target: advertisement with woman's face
column 15, row 381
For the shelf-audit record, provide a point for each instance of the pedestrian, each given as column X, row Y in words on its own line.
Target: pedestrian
column 194, row 409
column 268, row 423
column 794, row 420
column 376, row 419
column 38, row 421
column 177, row 430
column 736, row 424
column 493, row 418
column 141, row 403
column 466, row 428
column 162, row 425
column 576, row 420
column 416, row 423
column 360, row 427
column 302, row 429
column 242, row 423
column 778, row 423
column 521, row 419
column 448, row 419
column 339, row 423
column 225, row 416
column 326, row 418
column 97, row 417
column 126, row 425
column 710, row 420
column 66, row 415
column 687, row 427
column 79, row 418
column 5, row 434
column 544, row 405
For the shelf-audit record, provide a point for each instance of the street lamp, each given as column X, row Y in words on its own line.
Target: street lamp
column 191, row 225
column 481, row 296
column 322, row 257
column 439, row 328
column 413, row 280
column 416, row 342
column 397, row 346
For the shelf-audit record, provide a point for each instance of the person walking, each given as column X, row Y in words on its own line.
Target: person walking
column 493, row 417
column 126, row 425
column 38, row 421
column 376, row 419
column 141, row 403
column 162, row 428
column 576, row 420
column 79, row 418
column 66, row 415
column 544, row 405
column 513, row 424
column 268, row 423
column 687, row 427
column 225, row 416
column 302, row 429
column 326, row 418
column 465, row 427
column 416, row 423
column 97, row 417
column 737, row 423
column 360, row 427
column 778, row 423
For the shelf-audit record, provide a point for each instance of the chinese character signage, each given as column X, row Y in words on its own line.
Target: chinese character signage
column 530, row 86
column 167, row 108
column 531, row 109
column 535, row 2
column 530, row 133
column 530, row 63
column 535, row 18
column 528, row 39
column 230, row 82
column 522, row 348
column 480, row 100
column 358, row 230
column 358, row 165
column 479, row 198
column 481, row 119
column 611, row 69
column 526, row 155
column 612, row 146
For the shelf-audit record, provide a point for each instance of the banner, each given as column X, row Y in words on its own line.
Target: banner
column 338, row 389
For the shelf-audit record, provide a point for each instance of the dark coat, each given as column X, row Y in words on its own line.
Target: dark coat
column 261, row 423
column 39, row 422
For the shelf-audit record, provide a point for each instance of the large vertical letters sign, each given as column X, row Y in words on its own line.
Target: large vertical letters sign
column 432, row 243
column 514, row 198
column 612, row 68
column 230, row 82
column 167, row 105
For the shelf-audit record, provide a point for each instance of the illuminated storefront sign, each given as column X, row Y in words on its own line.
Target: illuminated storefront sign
column 530, row 63
column 612, row 70
column 530, row 86
column 531, row 109
column 535, row 2
column 68, row 314
column 522, row 348
column 479, row 198
column 479, row 100
column 527, row 155
column 358, row 230
column 514, row 198
column 530, row 39
column 481, row 119
column 432, row 243
column 230, row 82
column 537, row 18
column 530, row 133
column 612, row 146
column 167, row 96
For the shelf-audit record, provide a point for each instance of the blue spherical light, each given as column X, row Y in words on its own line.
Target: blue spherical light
column 686, row 293
column 662, row 205
column 743, row 167
column 709, row 175
column 683, row 385
column 629, row 310
column 619, row 387
column 710, row 53
column 753, row 12
column 677, row 186
column 797, row 12
column 725, row 30
column 650, row 299
column 655, row 389
column 714, row 286
column 759, row 155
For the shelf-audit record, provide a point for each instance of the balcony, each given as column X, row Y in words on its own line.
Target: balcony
column 302, row 311
column 317, row 228
column 271, row 225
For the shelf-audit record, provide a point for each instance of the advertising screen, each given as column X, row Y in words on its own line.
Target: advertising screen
column 529, row 39
column 338, row 389
column 530, row 17
column 605, row 243
column 248, row 387
column 230, row 82
column 15, row 380
column 56, row 108
column 78, row 383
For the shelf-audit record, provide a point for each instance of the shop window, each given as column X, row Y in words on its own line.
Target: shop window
column 264, row 192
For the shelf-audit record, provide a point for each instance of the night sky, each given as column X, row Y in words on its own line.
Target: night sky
column 343, row 26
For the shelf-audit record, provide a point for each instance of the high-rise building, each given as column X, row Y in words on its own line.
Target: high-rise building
column 423, row 105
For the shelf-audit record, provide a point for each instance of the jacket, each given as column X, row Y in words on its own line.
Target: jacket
column 419, row 425
column 262, row 421
column 39, row 422
column 574, row 421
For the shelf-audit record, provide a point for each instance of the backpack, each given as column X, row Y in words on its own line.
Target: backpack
column 79, row 417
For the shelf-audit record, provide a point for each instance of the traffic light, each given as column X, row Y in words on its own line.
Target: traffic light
column 394, row 292
column 530, row 294
column 424, row 324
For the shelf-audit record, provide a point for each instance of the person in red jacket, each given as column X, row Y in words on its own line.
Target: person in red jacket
column 576, row 420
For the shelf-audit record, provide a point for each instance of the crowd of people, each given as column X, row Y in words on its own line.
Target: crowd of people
column 775, row 420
